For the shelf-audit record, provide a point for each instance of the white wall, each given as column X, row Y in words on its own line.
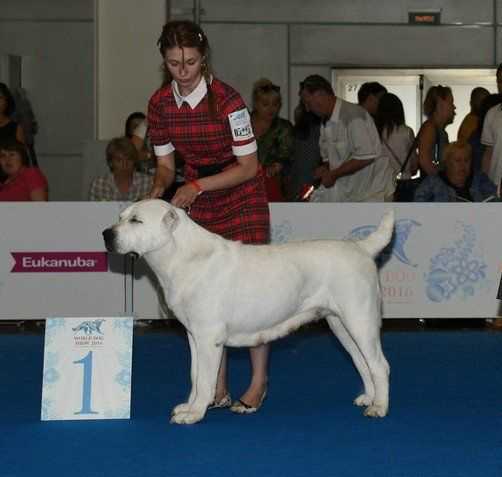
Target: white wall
column 295, row 37
column 55, row 41
column 127, row 58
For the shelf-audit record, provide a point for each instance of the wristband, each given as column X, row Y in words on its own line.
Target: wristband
column 197, row 185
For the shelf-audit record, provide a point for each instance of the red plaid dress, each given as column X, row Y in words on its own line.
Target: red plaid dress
column 237, row 213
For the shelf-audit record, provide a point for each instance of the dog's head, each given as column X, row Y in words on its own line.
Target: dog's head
column 143, row 227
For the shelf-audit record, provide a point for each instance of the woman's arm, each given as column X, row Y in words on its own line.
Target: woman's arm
column 426, row 142
column 20, row 134
column 164, row 175
column 246, row 168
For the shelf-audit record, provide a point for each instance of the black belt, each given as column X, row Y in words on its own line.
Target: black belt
column 212, row 169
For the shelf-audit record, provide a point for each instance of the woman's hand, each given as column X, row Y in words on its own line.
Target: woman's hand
column 156, row 192
column 185, row 196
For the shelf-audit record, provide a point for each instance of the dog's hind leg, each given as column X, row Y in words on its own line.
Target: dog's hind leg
column 366, row 334
column 351, row 347
column 208, row 358
column 183, row 407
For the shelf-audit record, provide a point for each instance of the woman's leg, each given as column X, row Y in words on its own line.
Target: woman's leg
column 259, row 367
column 221, row 383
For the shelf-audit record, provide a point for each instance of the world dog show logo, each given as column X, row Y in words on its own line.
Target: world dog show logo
column 89, row 333
column 59, row 262
column 398, row 283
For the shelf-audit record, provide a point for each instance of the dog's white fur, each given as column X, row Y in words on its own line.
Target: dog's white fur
column 228, row 293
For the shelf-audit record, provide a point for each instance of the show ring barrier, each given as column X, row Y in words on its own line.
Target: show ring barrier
column 444, row 262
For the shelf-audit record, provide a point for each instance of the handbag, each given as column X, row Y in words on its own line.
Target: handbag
column 404, row 187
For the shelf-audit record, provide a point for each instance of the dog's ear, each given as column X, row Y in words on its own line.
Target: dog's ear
column 171, row 219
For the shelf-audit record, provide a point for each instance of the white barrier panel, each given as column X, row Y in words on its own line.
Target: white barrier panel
column 87, row 368
column 53, row 261
column 445, row 260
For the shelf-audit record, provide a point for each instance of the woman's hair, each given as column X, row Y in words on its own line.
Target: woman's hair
column 131, row 123
column 187, row 34
column 454, row 147
column 11, row 105
column 265, row 86
column 20, row 148
column 372, row 88
column 121, row 145
column 433, row 95
column 390, row 113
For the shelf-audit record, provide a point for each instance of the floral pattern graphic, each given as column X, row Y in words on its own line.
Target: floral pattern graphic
column 455, row 271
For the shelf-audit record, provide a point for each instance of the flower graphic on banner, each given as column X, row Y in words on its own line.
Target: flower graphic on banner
column 281, row 232
column 455, row 270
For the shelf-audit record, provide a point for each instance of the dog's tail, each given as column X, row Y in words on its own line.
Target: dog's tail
column 379, row 239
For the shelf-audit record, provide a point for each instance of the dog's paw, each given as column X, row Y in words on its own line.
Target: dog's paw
column 363, row 400
column 183, row 407
column 187, row 417
column 375, row 411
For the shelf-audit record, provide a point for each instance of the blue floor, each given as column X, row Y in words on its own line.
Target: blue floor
column 445, row 417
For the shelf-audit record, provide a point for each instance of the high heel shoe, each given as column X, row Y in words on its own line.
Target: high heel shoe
column 225, row 401
column 241, row 407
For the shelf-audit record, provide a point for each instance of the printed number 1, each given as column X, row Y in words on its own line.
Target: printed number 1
column 87, row 385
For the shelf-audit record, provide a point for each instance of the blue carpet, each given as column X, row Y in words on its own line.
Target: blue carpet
column 445, row 418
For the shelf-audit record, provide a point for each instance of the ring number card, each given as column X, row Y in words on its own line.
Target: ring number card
column 87, row 368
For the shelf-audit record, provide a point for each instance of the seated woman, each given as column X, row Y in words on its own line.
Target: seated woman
column 123, row 182
column 456, row 182
column 22, row 183
column 273, row 134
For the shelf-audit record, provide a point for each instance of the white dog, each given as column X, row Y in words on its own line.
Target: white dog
column 226, row 293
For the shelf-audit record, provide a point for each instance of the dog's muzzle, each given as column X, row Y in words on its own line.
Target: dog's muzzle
column 109, row 238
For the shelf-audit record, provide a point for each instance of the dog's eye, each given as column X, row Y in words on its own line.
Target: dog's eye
column 135, row 220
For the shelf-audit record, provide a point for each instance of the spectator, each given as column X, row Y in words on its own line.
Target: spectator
column 10, row 131
column 349, row 145
column 475, row 140
column 207, row 123
column 273, row 134
column 456, row 182
column 471, row 121
column 306, row 154
column 368, row 96
column 499, row 78
column 132, row 123
column 123, row 182
column 397, row 138
column 22, row 183
column 491, row 138
column 432, row 137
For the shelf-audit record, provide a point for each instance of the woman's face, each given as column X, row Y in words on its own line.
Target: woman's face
column 11, row 162
column 267, row 105
column 121, row 164
column 184, row 64
column 446, row 108
column 458, row 168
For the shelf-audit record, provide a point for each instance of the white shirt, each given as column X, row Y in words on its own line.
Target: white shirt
column 399, row 143
column 350, row 133
column 492, row 136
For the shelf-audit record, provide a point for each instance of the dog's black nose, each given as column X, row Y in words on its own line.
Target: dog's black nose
column 109, row 237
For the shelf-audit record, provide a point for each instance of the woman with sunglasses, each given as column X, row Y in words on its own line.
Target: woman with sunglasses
column 206, row 122
column 274, row 136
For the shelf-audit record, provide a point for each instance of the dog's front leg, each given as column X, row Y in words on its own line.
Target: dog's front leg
column 207, row 362
column 185, row 406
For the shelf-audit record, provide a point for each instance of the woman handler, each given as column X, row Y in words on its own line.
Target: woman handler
column 207, row 123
